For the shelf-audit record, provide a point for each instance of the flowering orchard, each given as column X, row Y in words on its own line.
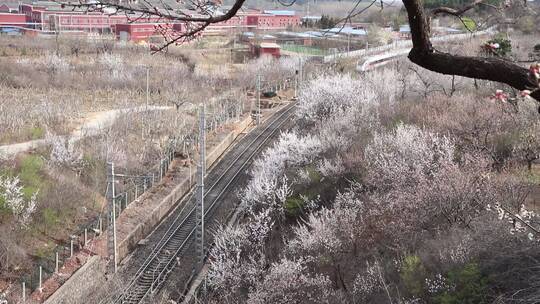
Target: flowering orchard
column 375, row 197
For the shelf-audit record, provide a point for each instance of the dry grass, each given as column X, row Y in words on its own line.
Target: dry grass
column 52, row 87
column 44, row 92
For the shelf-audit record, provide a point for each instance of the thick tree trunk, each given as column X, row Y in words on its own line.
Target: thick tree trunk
column 494, row 69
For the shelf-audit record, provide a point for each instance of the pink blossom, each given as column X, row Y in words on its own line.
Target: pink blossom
column 500, row 95
column 525, row 93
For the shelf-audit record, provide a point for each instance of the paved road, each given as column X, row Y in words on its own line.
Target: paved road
column 372, row 61
column 93, row 125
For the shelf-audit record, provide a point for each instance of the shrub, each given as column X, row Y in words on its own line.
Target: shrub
column 46, row 251
column 37, row 132
column 467, row 284
column 413, row 275
column 503, row 148
column 294, row 205
column 30, row 175
column 288, row 281
column 50, row 217
column 526, row 24
column 498, row 46
column 313, row 174
column 3, row 207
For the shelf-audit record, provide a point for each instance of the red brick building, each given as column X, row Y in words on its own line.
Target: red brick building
column 265, row 49
column 94, row 22
column 238, row 20
column 54, row 18
column 273, row 20
column 137, row 32
column 12, row 19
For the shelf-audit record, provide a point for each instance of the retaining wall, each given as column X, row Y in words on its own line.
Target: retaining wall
column 79, row 287
column 87, row 280
column 126, row 245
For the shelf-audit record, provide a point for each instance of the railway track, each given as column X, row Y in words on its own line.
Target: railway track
column 155, row 270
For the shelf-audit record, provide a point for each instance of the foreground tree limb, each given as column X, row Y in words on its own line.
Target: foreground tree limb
column 422, row 53
column 195, row 22
column 460, row 11
column 492, row 68
column 167, row 13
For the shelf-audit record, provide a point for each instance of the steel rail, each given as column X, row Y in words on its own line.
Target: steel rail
column 210, row 208
column 169, row 236
column 188, row 218
column 168, row 233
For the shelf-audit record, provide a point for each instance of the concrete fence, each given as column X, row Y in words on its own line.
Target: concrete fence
column 404, row 44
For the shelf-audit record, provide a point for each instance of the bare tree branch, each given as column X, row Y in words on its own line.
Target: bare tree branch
column 174, row 37
column 159, row 13
column 494, row 69
column 422, row 53
column 460, row 11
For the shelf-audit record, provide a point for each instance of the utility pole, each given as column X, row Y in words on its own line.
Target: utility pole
column 296, row 84
column 40, row 288
column 147, row 87
column 201, row 168
column 111, row 232
column 258, row 99
column 143, row 129
column 335, row 57
column 300, row 73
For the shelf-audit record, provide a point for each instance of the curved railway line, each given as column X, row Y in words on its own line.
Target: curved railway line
column 165, row 256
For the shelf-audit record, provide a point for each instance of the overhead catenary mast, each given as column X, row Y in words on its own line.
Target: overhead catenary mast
column 201, row 169
column 111, row 232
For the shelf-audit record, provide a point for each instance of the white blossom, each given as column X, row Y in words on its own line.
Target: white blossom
column 438, row 284
column 288, row 281
column 12, row 195
column 458, row 253
column 317, row 235
column 331, row 168
column 225, row 256
column 63, row 151
column 407, row 154
column 237, row 255
column 367, row 281
column 326, row 96
column 267, row 174
column 326, row 232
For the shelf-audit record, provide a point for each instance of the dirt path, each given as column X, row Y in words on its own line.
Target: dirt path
column 92, row 125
